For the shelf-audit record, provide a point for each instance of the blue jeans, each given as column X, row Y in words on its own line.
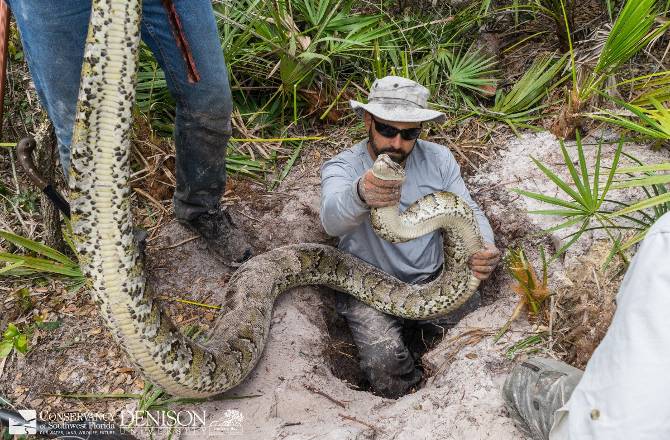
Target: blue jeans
column 53, row 34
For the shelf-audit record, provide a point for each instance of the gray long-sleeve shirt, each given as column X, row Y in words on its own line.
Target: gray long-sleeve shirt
column 429, row 168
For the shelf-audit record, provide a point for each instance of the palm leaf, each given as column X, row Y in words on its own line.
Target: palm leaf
column 42, row 265
column 36, row 247
column 654, row 87
column 644, row 204
column 610, row 176
column 584, row 195
column 524, row 97
column 643, row 181
column 631, row 32
column 645, row 168
column 548, row 199
column 653, row 123
column 560, row 182
column 469, row 70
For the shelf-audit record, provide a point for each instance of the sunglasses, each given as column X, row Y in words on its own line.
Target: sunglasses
column 408, row 134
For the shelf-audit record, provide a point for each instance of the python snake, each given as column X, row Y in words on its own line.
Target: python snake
column 102, row 229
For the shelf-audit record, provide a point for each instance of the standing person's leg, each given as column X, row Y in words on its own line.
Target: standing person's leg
column 202, row 127
column 384, row 358
column 53, row 34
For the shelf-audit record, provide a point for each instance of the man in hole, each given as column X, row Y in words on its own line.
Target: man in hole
column 394, row 117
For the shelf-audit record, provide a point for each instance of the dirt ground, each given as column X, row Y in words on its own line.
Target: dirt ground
column 307, row 384
column 301, row 396
column 299, row 381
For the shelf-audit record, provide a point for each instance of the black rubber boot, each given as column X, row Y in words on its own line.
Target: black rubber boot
column 228, row 243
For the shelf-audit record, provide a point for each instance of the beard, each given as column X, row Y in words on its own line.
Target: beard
column 396, row 156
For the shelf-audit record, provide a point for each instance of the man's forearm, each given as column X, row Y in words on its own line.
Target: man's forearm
column 342, row 209
column 484, row 225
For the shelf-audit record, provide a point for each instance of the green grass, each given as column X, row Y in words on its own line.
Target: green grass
column 49, row 261
column 589, row 203
column 651, row 121
column 523, row 103
column 634, row 28
column 528, row 345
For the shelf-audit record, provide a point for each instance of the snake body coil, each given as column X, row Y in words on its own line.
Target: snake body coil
column 102, row 226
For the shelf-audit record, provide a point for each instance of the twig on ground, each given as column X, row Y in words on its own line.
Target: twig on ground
column 179, row 244
column 148, row 196
column 2, row 365
column 321, row 393
column 248, row 216
column 189, row 302
column 153, row 230
column 373, row 427
column 458, row 342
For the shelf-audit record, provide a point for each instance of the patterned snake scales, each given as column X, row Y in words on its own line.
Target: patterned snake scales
column 102, row 225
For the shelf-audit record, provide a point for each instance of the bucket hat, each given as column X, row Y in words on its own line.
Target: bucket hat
column 398, row 99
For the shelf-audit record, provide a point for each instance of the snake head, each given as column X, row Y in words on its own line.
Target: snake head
column 385, row 168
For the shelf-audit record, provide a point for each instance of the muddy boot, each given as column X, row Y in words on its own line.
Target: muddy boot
column 535, row 389
column 390, row 368
column 228, row 243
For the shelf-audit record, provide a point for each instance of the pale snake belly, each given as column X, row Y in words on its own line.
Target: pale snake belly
column 102, row 227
